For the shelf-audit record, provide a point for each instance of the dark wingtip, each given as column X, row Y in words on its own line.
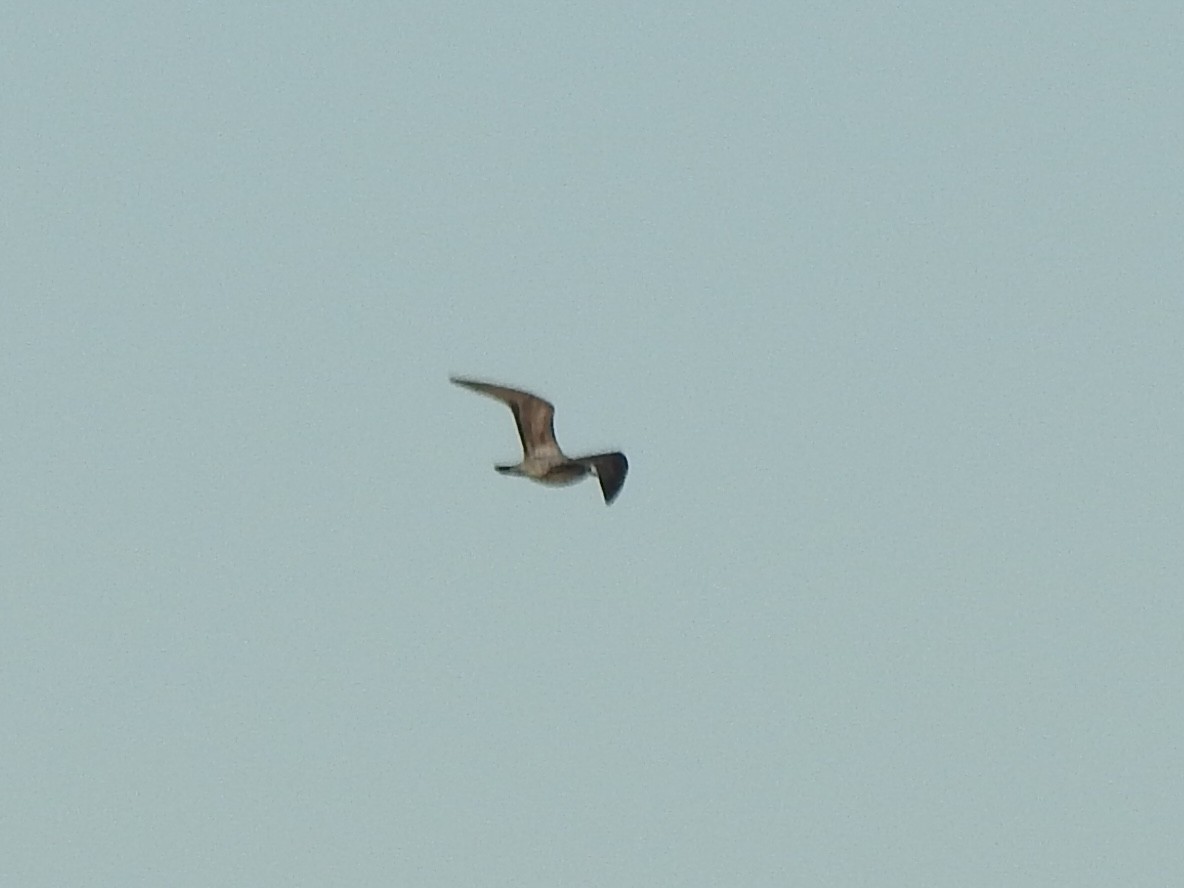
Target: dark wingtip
column 611, row 469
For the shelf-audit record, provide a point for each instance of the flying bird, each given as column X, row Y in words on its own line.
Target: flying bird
column 542, row 460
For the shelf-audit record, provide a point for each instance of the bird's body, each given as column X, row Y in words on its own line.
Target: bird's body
column 542, row 460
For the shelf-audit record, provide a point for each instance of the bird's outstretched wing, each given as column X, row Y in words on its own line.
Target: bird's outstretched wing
column 610, row 469
column 534, row 417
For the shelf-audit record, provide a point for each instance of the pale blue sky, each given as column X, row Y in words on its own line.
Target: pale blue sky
column 885, row 304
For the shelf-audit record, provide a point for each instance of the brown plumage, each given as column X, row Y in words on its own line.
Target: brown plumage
column 542, row 460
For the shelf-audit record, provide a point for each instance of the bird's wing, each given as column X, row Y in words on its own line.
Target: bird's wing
column 534, row 416
column 610, row 469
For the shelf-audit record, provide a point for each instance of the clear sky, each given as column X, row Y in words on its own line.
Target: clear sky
column 884, row 302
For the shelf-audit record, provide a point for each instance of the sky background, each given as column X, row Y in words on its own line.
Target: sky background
column 885, row 303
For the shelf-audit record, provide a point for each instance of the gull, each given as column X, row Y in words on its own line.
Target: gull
column 542, row 460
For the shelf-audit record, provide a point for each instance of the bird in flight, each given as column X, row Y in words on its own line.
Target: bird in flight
column 542, row 460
